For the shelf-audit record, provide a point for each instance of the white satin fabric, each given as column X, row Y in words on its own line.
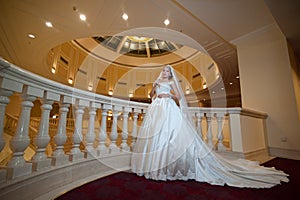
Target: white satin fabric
column 168, row 148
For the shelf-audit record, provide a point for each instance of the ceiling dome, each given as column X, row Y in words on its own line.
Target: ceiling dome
column 137, row 46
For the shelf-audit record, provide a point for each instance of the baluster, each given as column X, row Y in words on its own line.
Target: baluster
column 90, row 136
column 134, row 129
column 4, row 100
column 59, row 156
column 220, row 117
column 103, row 133
column 76, row 153
column 114, row 130
column 42, row 139
column 209, row 135
column 21, row 140
column 199, row 116
column 124, row 145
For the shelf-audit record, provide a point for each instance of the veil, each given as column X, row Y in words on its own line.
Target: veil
column 182, row 101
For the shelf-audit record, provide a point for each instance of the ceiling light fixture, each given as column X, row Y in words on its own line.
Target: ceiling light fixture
column 70, row 81
column 49, row 24
column 167, row 22
column 125, row 16
column 31, row 36
column 53, row 70
column 90, row 88
column 187, row 91
column 82, row 17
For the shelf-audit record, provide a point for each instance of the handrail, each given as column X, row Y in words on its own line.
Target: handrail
column 22, row 76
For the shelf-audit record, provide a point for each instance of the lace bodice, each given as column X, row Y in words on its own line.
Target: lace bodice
column 164, row 88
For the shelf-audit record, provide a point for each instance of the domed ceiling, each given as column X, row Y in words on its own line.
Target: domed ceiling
column 137, row 46
column 125, row 66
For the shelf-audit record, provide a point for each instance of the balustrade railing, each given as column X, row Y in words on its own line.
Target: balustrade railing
column 101, row 126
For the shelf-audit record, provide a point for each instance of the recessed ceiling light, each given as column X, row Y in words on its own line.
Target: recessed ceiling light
column 237, row 77
column 230, row 83
column 53, row 70
column 49, row 24
column 167, row 22
column 125, row 16
column 70, row 81
column 30, row 35
column 82, row 17
column 187, row 91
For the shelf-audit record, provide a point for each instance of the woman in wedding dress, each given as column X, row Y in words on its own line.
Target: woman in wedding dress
column 169, row 148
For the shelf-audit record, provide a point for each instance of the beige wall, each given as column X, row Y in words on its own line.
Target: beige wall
column 296, row 77
column 267, row 85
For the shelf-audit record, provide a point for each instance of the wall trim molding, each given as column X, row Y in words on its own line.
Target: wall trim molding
column 285, row 153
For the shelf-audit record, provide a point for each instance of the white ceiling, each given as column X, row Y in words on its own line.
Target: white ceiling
column 210, row 23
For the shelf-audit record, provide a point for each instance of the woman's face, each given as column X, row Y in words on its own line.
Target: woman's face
column 166, row 73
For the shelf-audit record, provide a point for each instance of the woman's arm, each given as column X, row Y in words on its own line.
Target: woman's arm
column 152, row 92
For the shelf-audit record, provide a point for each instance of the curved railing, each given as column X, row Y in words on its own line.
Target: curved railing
column 100, row 136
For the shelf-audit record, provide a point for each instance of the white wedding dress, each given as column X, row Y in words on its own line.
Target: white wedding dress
column 168, row 148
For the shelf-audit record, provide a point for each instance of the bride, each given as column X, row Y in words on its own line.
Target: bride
column 168, row 147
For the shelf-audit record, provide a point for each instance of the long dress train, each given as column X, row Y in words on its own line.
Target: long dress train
column 169, row 148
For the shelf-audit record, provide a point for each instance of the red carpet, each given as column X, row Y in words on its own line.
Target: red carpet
column 124, row 185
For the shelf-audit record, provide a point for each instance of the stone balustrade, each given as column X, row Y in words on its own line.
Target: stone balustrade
column 103, row 130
